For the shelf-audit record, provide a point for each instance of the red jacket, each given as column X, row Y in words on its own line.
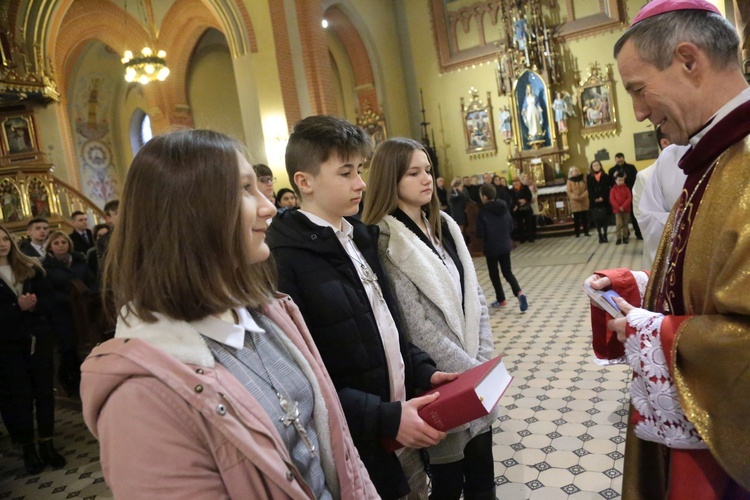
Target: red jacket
column 619, row 196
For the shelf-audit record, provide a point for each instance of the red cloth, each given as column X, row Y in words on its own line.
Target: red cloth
column 604, row 341
column 619, row 196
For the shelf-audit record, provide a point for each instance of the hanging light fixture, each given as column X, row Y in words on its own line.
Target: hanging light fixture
column 150, row 64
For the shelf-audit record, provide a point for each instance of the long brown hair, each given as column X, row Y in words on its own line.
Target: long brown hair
column 387, row 167
column 180, row 247
column 21, row 265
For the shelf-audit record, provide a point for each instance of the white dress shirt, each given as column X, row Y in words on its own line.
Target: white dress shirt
column 383, row 317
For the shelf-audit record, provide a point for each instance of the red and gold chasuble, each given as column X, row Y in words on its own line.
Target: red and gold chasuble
column 701, row 282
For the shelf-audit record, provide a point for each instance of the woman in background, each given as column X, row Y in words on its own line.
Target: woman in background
column 215, row 389
column 578, row 194
column 285, row 198
column 598, row 186
column 444, row 309
column 26, row 362
column 459, row 198
column 66, row 270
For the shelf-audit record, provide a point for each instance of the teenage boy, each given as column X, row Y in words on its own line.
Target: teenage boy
column 37, row 231
column 328, row 263
column 494, row 226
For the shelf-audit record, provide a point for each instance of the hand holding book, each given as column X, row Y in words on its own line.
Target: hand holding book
column 471, row 395
column 413, row 432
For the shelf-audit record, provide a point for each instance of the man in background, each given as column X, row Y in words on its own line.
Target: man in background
column 37, row 231
column 630, row 175
column 265, row 181
column 81, row 235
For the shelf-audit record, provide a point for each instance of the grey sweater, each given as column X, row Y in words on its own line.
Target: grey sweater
column 456, row 338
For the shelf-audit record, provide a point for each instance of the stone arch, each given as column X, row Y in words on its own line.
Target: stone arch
column 340, row 23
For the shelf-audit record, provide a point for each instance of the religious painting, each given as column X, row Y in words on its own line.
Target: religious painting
column 531, row 112
column 18, row 135
column 596, row 101
column 10, row 202
column 39, row 198
column 479, row 130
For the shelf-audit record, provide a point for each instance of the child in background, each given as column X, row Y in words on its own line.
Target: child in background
column 620, row 198
column 494, row 226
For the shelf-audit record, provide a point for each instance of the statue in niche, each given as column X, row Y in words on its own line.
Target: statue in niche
column 532, row 115
column 505, row 124
column 563, row 107
column 520, row 32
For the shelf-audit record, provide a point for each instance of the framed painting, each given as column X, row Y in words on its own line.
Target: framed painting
column 479, row 129
column 597, row 104
column 18, row 135
column 532, row 112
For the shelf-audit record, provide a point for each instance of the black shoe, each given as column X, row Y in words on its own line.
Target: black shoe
column 50, row 456
column 605, row 239
column 586, row 234
column 578, row 235
column 626, row 240
column 31, row 460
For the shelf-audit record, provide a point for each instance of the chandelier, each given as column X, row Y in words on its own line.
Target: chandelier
column 150, row 64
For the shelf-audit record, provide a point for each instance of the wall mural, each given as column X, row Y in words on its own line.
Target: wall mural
column 92, row 108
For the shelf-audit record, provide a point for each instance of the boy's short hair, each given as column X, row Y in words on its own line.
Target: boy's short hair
column 488, row 191
column 36, row 221
column 262, row 170
column 112, row 206
column 315, row 138
column 620, row 155
column 76, row 214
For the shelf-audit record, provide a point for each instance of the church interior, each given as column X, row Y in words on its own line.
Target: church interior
column 509, row 87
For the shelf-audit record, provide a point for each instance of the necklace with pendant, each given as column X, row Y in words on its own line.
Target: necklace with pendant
column 290, row 407
column 368, row 276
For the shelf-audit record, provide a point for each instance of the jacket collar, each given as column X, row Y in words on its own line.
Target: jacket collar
column 177, row 338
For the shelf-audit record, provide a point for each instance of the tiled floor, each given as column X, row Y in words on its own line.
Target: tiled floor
column 562, row 424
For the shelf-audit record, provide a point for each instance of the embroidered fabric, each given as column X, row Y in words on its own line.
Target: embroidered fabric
column 641, row 281
column 660, row 417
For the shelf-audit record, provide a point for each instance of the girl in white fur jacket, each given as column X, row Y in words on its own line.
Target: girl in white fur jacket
column 443, row 307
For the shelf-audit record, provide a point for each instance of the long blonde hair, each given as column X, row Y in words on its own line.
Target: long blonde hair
column 387, row 167
column 21, row 265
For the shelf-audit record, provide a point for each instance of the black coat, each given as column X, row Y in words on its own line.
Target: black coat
column 630, row 173
column 315, row 270
column 598, row 189
column 17, row 326
column 494, row 226
column 26, row 249
column 80, row 244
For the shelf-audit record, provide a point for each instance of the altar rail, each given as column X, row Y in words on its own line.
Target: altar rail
column 31, row 190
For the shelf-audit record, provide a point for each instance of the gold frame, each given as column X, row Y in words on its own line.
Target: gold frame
column 478, row 110
column 26, row 120
column 597, row 86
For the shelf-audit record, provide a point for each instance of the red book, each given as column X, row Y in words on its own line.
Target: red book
column 471, row 396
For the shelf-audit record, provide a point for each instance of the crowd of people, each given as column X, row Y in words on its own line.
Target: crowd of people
column 233, row 374
column 48, row 279
column 595, row 198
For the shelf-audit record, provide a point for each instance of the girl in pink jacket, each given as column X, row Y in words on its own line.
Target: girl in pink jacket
column 212, row 387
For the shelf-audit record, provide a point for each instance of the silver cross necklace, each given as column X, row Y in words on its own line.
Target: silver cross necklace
column 291, row 408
